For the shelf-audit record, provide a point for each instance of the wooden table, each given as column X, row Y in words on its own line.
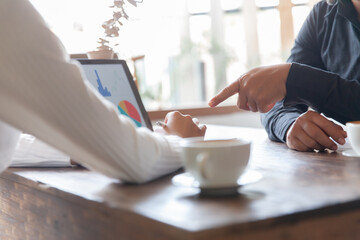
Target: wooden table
column 301, row 196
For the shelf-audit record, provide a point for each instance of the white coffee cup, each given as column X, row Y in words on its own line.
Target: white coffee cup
column 216, row 163
column 353, row 132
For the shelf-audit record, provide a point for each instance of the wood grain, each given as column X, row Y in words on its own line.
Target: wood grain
column 301, row 196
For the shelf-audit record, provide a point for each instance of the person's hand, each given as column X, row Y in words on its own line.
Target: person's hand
column 312, row 131
column 182, row 125
column 258, row 89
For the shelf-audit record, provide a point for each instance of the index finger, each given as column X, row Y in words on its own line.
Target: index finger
column 333, row 130
column 224, row 94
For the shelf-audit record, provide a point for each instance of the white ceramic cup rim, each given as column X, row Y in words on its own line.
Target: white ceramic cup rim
column 353, row 124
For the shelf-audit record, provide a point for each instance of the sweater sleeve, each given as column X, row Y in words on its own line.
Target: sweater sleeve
column 329, row 94
column 46, row 95
column 306, row 51
column 9, row 137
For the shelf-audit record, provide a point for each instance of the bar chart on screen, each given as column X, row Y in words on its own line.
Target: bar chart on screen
column 103, row 91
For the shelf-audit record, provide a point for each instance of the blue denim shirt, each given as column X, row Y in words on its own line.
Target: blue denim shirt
column 325, row 71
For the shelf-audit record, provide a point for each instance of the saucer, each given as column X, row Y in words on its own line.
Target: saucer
column 350, row 153
column 187, row 180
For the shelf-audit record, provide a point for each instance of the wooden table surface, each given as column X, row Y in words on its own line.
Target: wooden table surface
column 301, row 196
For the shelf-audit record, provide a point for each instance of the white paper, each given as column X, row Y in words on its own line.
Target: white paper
column 31, row 152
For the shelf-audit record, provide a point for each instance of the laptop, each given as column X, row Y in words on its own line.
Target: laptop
column 114, row 82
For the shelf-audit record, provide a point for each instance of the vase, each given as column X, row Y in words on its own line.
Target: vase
column 100, row 54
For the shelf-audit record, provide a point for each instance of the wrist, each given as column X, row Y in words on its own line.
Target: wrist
column 285, row 71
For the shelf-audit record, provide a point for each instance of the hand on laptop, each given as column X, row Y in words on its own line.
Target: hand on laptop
column 181, row 125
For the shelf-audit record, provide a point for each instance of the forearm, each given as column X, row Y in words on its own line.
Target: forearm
column 46, row 96
column 320, row 90
column 323, row 91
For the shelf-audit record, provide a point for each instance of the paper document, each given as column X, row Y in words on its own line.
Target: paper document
column 32, row 152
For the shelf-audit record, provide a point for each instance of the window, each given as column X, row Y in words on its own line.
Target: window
column 189, row 49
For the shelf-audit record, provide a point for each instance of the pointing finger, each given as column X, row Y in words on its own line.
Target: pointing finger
column 225, row 94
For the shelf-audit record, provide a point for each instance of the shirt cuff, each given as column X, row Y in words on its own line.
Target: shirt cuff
column 286, row 124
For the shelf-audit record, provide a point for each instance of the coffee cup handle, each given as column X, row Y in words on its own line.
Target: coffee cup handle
column 201, row 160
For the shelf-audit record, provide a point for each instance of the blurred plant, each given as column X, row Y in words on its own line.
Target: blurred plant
column 112, row 26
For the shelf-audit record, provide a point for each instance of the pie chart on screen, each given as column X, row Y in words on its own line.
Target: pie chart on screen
column 127, row 109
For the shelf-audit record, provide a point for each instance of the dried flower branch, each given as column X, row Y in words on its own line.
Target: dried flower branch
column 112, row 26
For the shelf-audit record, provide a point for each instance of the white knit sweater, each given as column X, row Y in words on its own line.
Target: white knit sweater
column 44, row 94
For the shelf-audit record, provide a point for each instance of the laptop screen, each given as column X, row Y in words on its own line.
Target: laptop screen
column 114, row 82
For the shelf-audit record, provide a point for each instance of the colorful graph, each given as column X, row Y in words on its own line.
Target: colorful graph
column 127, row 109
column 103, row 91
